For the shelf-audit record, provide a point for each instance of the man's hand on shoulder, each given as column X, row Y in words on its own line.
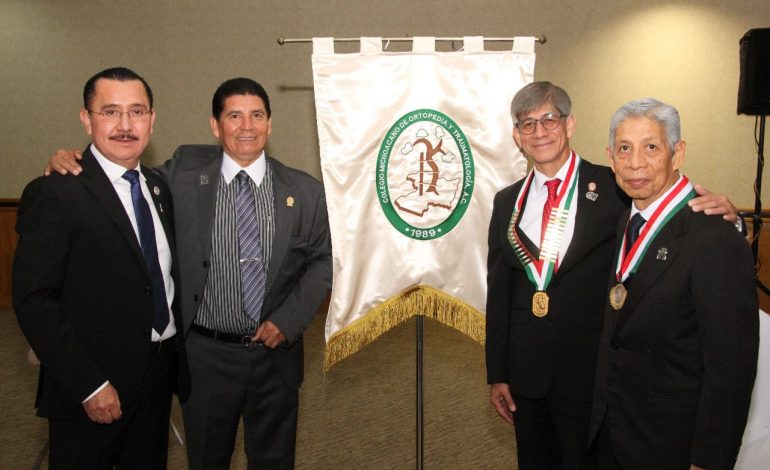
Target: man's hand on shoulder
column 501, row 400
column 269, row 335
column 713, row 204
column 63, row 162
column 104, row 407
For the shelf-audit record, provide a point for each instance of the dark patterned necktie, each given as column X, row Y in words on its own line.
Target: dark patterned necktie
column 250, row 250
column 150, row 251
column 632, row 230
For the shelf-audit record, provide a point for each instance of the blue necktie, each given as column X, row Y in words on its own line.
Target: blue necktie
column 150, row 251
column 250, row 250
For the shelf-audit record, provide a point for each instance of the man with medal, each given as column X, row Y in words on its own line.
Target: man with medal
column 678, row 352
column 551, row 240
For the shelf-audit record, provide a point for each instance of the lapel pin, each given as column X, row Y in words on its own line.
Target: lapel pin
column 160, row 206
column 289, row 201
column 663, row 254
column 204, row 179
column 156, row 190
column 591, row 195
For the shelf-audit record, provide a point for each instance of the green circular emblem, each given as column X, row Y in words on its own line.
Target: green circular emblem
column 424, row 175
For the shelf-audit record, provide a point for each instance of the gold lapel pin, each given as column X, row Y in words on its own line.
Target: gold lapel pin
column 290, row 201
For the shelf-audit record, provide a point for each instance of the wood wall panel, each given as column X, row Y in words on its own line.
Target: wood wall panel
column 8, row 239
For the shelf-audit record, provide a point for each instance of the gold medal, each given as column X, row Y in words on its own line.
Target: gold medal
column 618, row 296
column 540, row 304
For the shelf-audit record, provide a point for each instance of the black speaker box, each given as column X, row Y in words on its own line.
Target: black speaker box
column 754, row 85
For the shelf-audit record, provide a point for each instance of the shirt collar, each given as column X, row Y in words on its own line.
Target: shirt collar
column 256, row 170
column 540, row 178
column 113, row 170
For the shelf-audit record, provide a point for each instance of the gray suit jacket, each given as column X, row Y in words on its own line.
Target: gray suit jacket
column 300, row 271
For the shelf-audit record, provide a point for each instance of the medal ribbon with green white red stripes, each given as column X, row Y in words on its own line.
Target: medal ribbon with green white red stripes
column 540, row 271
column 673, row 201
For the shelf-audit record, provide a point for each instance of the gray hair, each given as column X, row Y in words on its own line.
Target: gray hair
column 538, row 94
column 657, row 111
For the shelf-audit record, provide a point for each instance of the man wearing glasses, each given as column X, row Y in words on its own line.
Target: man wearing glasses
column 94, row 293
column 551, row 240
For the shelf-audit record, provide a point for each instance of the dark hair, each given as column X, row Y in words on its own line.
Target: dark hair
column 237, row 86
column 120, row 74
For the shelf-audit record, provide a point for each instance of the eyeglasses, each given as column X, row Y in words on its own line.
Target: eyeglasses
column 138, row 114
column 549, row 122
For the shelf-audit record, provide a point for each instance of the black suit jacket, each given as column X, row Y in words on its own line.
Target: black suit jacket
column 677, row 362
column 81, row 289
column 529, row 353
column 300, row 270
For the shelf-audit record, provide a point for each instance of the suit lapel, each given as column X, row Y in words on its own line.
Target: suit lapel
column 162, row 205
column 205, row 179
column 660, row 254
column 285, row 214
column 97, row 183
column 585, row 218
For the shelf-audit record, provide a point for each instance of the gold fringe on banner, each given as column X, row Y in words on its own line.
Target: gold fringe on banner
column 420, row 300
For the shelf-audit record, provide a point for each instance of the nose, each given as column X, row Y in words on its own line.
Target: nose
column 636, row 159
column 124, row 122
column 540, row 129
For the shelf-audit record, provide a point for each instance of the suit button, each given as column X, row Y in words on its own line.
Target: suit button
column 195, row 298
column 614, row 345
column 148, row 290
column 205, row 264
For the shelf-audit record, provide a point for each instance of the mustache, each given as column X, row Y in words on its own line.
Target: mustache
column 124, row 136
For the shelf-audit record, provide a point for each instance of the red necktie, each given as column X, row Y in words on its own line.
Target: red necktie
column 550, row 203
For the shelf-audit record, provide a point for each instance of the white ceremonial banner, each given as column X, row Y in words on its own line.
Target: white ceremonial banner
column 414, row 146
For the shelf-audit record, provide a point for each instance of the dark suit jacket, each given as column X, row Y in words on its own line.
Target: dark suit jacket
column 677, row 362
column 300, row 270
column 531, row 354
column 81, row 289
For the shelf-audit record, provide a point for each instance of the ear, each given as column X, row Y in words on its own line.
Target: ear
column 152, row 120
column 214, row 126
column 269, row 126
column 611, row 160
column 85, row 118
column 570, row 125
column 678, row 158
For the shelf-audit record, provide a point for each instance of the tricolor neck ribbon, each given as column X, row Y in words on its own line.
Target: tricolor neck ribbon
column 673, row 201
column 540, row 270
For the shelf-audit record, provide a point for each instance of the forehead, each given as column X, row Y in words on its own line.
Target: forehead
column 115, row 92
column 544, row 108
column 243, row 102
column 639, row 129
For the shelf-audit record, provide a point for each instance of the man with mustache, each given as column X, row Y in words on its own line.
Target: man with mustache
column 255, row 265
column 95, row 294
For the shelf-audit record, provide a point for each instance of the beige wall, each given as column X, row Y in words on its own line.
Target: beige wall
column 603, row 52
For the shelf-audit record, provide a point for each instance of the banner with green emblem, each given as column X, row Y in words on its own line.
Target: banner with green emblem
column 414, row 146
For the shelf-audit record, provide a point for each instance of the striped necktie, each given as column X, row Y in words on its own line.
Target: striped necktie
column 250, row 249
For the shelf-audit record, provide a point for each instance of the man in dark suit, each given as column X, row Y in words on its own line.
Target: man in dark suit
column 678, row 351
column 550, row 248
column 93, row 290
column 243, row 364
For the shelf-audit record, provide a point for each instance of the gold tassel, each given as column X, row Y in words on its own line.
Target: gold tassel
column 420, row 300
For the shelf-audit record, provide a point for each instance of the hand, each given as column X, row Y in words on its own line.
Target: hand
column 695, row 467
column 269, row 334
column 104, row 407
column 500, row 397
column 713, row 204
column 64, row 161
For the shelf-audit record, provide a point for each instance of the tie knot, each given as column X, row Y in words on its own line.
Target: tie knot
column 132, row 176
column 552, row 185
column 242, row 176
column 635, row 224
